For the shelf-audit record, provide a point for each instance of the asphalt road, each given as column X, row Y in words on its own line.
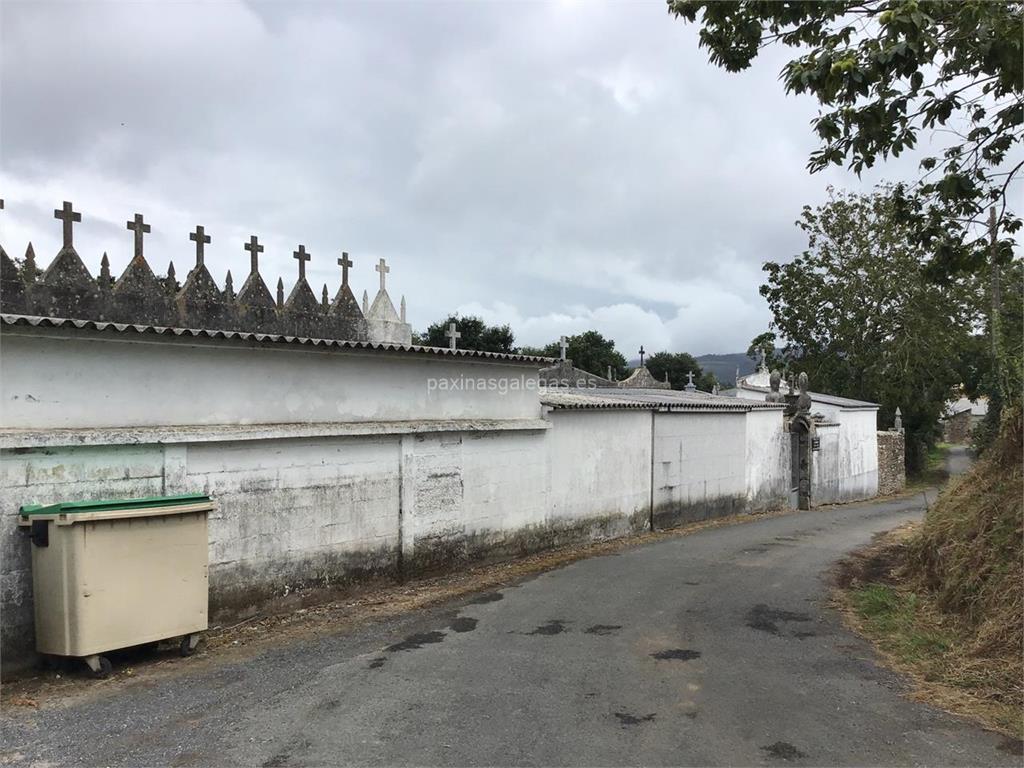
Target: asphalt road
column 712, row 649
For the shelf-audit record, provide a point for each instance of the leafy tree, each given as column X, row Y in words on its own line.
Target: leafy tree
column 678, row 365
column 476, row 334
column 883, row 71
column 862, row 318
column 591, row 352
column 765, row 344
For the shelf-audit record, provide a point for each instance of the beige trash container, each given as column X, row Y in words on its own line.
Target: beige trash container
column 112, row 574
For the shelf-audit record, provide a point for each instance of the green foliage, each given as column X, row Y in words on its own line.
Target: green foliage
column 476, row 334
column 591, row 352
column 861, row 317
column 765, row 344
column 678, row 365
column 883, row 71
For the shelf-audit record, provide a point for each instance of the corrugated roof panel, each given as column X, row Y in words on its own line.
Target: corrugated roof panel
column 266, row 338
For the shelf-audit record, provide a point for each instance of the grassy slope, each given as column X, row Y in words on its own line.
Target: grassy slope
column 946, row 602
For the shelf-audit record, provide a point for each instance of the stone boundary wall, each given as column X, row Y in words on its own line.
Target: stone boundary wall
column 892, row 472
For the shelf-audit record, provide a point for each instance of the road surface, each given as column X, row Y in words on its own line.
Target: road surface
column 712, row 649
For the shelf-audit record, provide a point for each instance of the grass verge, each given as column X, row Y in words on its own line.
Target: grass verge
column 943, row 600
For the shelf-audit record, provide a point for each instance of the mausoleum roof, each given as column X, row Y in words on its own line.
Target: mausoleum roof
column 661, row 399
column 262, row 338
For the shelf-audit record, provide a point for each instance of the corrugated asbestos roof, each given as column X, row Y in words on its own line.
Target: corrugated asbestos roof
column 562, row 398
column 263, row 338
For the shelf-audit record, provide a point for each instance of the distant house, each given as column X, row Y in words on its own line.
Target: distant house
column 961, row 417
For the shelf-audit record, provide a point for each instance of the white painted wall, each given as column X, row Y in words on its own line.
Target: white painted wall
column 699, row 461
column 50, row 380
column 845, row 467
column 767, row 460
column 301, row 508
column 600, row 464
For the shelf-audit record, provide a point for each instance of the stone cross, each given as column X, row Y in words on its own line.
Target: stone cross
column 642, row 353
column 344, row 262
column 200, row 238
column 689, row 378
column 69, row 217
column 255, row 249
column 563, row 344
column 383, row 268
column 453, row 335
column 140, row 228
column 303, row 257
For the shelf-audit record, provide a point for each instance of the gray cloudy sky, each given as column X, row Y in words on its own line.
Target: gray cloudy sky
column 558, row 166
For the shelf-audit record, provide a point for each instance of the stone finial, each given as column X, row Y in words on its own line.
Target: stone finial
column 666, row 377
column 610, row 374
column 255, row 249
column 69, row 217
column 104, row 270
column 200, row 238
column 563, row 345
column 642, row 353
column 30, row 262
column 302, row 257
column 172, row 281
column 774, row 381
column 401, row 311
column 140, row 228
column 453, row 336
column 280, row 293
column 229, row 287
column 383, row 269
column 325, row 298
column 366, row 303
column 897, row 424
column 345, row 263
column 715, row 390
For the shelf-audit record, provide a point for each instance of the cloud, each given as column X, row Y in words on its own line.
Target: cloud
column 565, row 166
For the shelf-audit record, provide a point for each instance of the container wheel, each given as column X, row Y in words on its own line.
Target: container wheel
column 105, row 668
column 188, row 644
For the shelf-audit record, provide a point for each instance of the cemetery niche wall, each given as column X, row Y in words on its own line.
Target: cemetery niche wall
column 336, row 449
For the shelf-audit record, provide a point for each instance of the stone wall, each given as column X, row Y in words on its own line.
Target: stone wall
column 957, row 428
column 892, row 473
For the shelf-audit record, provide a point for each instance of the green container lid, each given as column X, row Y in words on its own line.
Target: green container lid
column 72, row 507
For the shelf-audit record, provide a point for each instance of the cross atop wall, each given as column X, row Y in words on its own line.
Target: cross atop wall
column 69, row 217
column 255, row 249
column 344, row 262
column 303, row 257
column 383, row 268
column 140, row 228
column 563, row 344
column 642, row 353
column 453, row 336
column 201, row 239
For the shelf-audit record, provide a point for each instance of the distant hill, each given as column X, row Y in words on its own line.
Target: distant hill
column 724, row 366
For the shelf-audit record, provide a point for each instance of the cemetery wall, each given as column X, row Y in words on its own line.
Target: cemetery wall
column 59, row 378
column 699, row 466
column 327, row 475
